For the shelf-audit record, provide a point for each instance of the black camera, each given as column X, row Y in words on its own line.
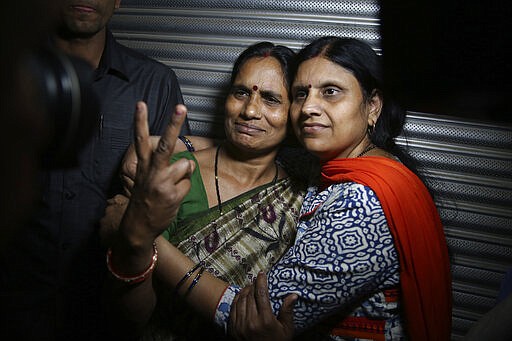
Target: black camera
column 63, row 84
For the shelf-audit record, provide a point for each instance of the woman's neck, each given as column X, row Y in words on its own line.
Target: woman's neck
column 245, row 168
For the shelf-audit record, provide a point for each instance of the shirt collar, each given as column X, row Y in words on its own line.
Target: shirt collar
column 111, row 61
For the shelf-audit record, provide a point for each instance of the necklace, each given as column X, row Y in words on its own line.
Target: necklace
column 216, row 163
column 367, row 149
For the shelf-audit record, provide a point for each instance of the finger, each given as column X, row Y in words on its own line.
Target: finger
column 167, row 142
column 181, row 186
column 154, row 141
column 181, row 170
column 112, row 217
column 251, row 307
column 261, row 294
column 285, row 315
column 129, row 164
column 127, row 186
column 120, row 199
column 115, row 209
column 234, row 318
column 142, row 144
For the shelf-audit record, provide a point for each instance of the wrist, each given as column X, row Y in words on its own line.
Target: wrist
column 135, row 235
column 132, row 278
column 127, row 260
column 133, row 249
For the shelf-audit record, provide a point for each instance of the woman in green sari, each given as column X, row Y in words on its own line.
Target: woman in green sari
column 240, row 214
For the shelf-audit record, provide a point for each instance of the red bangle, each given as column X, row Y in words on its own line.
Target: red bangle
column 135, row 278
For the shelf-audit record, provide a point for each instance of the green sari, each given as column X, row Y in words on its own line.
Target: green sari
column 254, row 231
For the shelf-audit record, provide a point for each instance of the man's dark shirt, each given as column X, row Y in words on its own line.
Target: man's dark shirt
column 51, row 276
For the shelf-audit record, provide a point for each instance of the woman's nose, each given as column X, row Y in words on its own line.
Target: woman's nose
column 252, row 109
column 311, row 106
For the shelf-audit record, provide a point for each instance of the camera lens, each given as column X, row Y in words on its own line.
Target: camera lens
column 64, row 84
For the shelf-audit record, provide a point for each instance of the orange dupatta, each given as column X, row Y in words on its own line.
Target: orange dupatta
column 418, row 234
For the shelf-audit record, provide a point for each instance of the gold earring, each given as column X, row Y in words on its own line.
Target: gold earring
column 371, row 129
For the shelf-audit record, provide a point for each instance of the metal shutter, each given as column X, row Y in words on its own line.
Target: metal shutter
column 469, row 164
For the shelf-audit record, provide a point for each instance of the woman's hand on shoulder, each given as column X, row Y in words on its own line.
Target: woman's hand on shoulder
column 129, row 163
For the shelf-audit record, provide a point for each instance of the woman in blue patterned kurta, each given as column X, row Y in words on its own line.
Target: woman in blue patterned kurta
column 370, row 249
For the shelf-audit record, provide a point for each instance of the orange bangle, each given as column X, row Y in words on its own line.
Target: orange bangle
column 135, row 278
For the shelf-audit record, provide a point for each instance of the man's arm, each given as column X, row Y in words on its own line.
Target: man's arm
column 167, row 98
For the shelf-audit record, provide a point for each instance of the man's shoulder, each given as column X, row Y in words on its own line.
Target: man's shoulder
column 134, row 59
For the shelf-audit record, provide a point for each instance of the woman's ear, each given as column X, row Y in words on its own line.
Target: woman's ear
column 375, row 104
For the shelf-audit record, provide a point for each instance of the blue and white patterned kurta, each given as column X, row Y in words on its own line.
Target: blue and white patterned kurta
column 343, row 257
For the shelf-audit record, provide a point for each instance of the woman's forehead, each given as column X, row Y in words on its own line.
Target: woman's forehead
column 320, row 69
column 262, row 72
column 256, row 65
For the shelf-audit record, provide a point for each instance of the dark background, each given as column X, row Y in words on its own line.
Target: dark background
column 449, row 57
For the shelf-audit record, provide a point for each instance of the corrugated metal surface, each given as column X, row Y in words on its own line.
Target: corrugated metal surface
column 201, row 39
column 468, row 164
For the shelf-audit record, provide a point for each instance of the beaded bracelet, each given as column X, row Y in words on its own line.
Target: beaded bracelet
column 187, row 275
column 187, row 143
column 135, row 278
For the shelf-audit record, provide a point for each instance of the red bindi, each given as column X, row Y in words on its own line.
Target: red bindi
column 255, row 87
column 309, row 86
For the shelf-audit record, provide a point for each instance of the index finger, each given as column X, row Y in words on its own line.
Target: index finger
column 237, row 313
column 141, row 143
column 261, row 294
column 165, row 147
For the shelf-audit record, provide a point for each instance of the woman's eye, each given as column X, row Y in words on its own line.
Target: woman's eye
column 300, row 94
column 272, row 100
column 331, row 91
column 240, row 93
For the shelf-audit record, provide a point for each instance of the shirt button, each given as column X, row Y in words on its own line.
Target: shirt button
column 68, row 195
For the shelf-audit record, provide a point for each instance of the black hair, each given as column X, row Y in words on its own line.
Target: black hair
column 284, row 55
column 286, row 58
column 361, row 60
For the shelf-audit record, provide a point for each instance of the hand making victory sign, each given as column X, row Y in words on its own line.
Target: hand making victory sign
column 146, row 146
column 159, row 186
column 158, row 190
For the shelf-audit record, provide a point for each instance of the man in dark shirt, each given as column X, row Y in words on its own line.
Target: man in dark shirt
column 51, row 276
